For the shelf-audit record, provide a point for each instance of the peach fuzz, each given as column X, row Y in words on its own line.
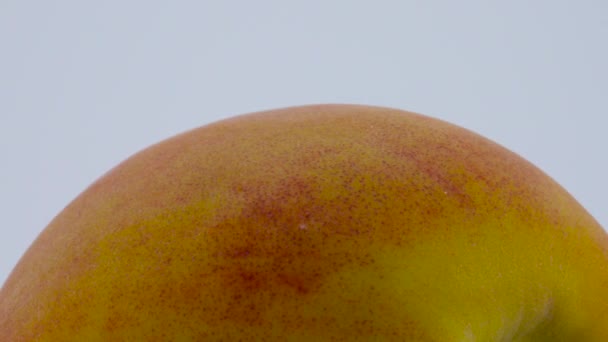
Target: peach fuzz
column 326, row 222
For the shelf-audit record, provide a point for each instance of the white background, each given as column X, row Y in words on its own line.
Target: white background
column 85, row 84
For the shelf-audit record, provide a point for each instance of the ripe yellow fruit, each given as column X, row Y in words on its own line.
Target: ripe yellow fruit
column 330, row 222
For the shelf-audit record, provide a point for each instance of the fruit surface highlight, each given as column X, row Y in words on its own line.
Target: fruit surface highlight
column 322, row 223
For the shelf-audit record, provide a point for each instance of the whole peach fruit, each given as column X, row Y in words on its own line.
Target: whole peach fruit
column 322, row 223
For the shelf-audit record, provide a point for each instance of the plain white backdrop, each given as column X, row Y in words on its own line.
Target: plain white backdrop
column 83, row 84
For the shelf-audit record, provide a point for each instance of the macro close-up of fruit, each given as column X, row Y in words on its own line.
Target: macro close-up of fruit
column 316, row 223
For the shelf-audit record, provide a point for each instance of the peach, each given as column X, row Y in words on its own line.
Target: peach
column 327, row 222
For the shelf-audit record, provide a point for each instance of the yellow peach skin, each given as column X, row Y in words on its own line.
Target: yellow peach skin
column 320, row 223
